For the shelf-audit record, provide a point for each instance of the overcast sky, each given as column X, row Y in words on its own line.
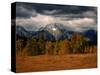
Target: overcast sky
column 78, row 18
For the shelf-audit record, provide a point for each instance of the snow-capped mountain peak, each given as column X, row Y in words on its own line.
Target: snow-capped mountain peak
column 54, row 29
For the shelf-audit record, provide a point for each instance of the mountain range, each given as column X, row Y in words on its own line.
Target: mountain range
column 55, row 32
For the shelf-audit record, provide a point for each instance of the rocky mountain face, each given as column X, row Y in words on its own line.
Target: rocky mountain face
column 54, row 31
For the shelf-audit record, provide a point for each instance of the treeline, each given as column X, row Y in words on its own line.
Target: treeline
column 33, row 46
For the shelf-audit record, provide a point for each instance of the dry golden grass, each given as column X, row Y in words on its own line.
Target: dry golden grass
column 56, row 62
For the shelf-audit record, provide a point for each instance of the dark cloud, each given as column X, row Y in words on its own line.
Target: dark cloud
column 75, row 17
column 24, row 11
column 30, row 9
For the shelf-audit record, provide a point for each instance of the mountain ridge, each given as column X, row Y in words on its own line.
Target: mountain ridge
column 60, row 32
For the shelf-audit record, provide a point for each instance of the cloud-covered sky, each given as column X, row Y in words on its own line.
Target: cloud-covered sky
column 78, row 18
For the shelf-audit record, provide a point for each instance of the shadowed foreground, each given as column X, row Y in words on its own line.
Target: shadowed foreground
column 55, row 62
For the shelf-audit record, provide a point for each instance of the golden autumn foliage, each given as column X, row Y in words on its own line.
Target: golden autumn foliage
column 19, row 46
column 77, row 44
column 49, row 47
column 64, row 47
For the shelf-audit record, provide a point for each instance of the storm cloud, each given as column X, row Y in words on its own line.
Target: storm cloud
column 39, row 15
